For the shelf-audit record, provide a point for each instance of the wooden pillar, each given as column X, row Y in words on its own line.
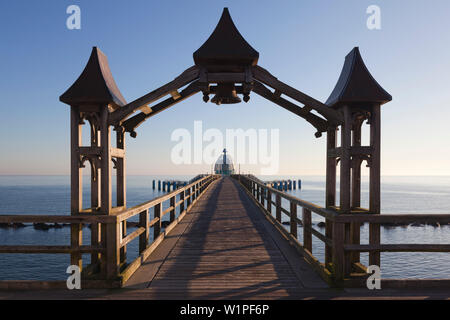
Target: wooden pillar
column 106, row 190
column 182, row 203
column 269, row 201
column 188, row 197
column 355, row 227
column 112, row 250
column 121, row 171
column 121, row 188
column 157, row 225
column 345, row 160
column 95, row 185
column 293, row 223
column 356, row 166
column 278, row 207
column 143, row 238
column 338, row 251
column 374, row 188
column 307, row 225
column 172, row 211
column 76, row 184
column 330, row 186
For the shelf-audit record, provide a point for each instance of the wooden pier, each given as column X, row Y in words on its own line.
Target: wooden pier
column 224, row 237
column 225, row 248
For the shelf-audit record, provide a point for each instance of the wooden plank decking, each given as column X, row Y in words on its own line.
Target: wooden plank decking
column 225, row 248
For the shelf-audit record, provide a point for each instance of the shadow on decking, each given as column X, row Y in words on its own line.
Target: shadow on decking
column 183, row 270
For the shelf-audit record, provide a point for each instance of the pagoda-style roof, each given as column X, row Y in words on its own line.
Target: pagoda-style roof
column 95, row 85
column 226, row 47
column 356, row 84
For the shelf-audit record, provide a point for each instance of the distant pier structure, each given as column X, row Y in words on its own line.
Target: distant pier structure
column 284, row 185
column 171, row 185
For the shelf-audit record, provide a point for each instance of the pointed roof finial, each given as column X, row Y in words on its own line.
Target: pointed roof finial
column 226, row 47
column 356, row 84
column 95, row 84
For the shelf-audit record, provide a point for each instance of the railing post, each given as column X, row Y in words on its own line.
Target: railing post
column 374, row 239
column 182, row 201
column 157, row 226
column 143, row 223
column 76, row 240
column 113, row 238
column 338, row 251
column 269, row 201
column 188, row 197
column 328, row 249
column 262, row 196
column 293, row 213
column 172, row 212
column 278, row 207
column 347, row 255
column 123, row 234
column 307, row 225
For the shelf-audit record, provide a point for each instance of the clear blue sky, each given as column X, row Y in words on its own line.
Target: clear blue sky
column 148, row 43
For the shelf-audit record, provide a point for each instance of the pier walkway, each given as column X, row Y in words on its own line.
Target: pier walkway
column 225, row 248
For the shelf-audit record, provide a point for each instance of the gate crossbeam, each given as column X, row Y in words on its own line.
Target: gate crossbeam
column 261, row 74
column 320, row 124
column 132, row 123
column 120, row 115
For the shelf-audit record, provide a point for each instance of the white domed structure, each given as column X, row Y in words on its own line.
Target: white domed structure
column 224, row 165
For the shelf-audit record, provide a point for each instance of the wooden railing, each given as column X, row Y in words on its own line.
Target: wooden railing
column 184, row 198
column 342, row 265
column 110, row 269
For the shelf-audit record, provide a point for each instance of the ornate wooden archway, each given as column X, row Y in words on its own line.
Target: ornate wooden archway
column 225, row 65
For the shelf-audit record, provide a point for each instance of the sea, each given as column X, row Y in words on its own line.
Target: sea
column 50, row 195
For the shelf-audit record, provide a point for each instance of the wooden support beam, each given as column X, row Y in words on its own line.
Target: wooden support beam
column 355, row 227
column 117, row 153
column 157, row 215
column 354, row 151
column 278, row 207
column 338, row 251
column 333, row 116
column 95, row 189
column 307, row 226
column 132, row 123
column 293, row 214
column 172, row 211
column 89, row 151
column 345, row 162
column 35, row 249
column 144, row 223
column 226, row 77
column 106, row 167
column 374, row 184
column 112, row 250
column 76, row 184
column 331, row 170
column 269, row 201
column 330, row 190
column 320, row 124
column 183, row 79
